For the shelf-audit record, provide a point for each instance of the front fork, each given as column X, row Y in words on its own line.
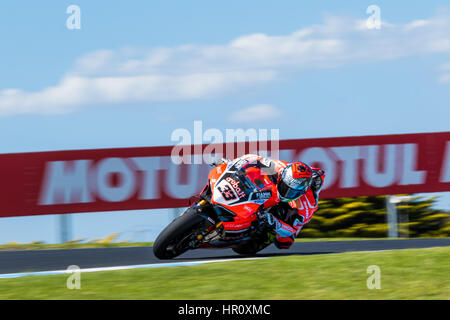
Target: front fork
column 213, row 226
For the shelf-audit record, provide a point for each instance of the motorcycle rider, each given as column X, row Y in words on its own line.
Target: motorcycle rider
column 298, row 187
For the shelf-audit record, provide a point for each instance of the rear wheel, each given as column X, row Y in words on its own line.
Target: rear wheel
column 175, row 238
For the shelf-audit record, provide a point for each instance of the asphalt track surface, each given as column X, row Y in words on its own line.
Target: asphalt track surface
column 46, row 260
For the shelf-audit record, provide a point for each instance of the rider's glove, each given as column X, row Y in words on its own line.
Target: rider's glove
column 316, row 184
column 317, row 180
column 268, row 221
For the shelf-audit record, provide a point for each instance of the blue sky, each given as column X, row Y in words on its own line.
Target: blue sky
column 347, row 81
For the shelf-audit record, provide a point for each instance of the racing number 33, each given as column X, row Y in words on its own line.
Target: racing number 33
column 226, row 192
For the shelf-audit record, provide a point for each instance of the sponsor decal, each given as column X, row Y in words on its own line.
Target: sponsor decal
column 262, row 195
column 238, row 164
column 236, row 187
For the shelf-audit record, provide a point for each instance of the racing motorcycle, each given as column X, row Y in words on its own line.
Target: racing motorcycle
column 226, row 214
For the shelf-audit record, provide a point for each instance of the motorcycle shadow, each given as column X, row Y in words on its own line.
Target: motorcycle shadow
column 189, row 256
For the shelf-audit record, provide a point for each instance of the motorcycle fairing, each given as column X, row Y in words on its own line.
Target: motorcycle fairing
column 233, row 189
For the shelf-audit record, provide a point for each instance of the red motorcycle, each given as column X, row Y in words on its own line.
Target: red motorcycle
column 225, row 215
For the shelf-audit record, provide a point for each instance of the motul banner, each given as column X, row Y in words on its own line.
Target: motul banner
column 147, row 178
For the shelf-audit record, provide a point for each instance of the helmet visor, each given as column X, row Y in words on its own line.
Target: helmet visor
column 293, row 193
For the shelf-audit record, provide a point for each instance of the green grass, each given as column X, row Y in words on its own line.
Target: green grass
column 405, row 274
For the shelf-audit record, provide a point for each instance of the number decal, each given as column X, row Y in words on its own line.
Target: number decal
column 226, row 192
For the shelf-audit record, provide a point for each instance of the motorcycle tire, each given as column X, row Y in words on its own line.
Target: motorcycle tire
column 167, row 245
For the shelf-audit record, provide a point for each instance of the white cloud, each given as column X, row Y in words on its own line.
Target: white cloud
column 190, row 72
column 76, row 91
column 255, row 113
column 445, row 75
column 445, row 78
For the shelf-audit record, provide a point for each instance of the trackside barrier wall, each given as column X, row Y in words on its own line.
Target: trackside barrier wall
column 76, row 181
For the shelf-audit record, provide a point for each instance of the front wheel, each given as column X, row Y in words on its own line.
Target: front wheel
column 174, row 239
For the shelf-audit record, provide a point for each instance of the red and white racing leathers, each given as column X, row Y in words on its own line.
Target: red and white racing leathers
column 292, row 216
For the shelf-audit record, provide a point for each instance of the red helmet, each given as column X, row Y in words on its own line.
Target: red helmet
column 294, row 181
